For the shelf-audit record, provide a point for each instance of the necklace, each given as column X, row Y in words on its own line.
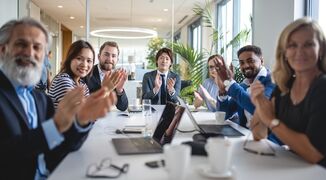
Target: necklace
column 298, row 91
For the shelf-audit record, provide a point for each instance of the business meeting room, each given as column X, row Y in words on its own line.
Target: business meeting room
column 162, row 89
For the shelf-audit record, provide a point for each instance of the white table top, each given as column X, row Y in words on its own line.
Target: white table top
column 285, row 165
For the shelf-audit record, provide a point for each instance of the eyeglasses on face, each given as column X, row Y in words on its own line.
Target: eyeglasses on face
column 213, row 68
column 106, row 169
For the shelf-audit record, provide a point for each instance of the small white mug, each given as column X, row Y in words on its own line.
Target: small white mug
column 219, row 152
column 177, row 160
column 220, row 116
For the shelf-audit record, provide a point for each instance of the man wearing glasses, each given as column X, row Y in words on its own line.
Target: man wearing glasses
column 235, row 97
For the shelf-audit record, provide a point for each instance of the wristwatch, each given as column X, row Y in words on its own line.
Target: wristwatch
column 226, row 83
column 274, row 123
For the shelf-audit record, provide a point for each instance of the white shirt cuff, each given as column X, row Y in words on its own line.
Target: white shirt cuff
column 82, row 129
column 52, row 135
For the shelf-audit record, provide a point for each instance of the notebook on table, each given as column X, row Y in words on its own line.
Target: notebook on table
column 163, row 134
column 213, row 129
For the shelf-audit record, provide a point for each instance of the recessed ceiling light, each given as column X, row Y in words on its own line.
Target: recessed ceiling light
column 165, row 10
column 72, row 17
column 60, row 6
column 81, row 26
column 159, row 20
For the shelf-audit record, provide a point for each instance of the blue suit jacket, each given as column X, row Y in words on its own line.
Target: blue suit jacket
column 93, row 82
column 20, row 146
column 149, row 83
column 240, row 99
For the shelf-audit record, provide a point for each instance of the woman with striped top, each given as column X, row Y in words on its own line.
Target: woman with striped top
column 77, row 65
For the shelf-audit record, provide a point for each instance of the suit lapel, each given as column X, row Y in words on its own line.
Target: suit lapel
column 9, row 92
column 40, row 108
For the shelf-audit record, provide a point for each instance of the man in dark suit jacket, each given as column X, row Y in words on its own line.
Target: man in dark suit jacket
column 162, row 85
column 108, row 58
column 33, row 137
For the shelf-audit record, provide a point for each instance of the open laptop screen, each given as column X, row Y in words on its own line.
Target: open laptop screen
column 168, row 123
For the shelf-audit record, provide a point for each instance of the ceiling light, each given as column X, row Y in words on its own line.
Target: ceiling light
column 125, row 33
column 81, row 26
column 60, row 6
column 165, row 10
column 72, row 17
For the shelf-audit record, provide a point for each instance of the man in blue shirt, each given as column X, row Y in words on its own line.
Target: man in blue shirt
column 235, row 97
column 33, row 137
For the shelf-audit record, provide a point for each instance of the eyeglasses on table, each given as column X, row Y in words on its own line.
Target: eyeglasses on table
column 106, row 169
column 262, row 147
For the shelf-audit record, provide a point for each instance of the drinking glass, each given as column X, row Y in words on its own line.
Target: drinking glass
column 147, row 115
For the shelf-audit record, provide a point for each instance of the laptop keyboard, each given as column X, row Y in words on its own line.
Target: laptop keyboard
column 145, row 143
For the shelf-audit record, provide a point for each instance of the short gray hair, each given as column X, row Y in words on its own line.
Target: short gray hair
column 7, row 29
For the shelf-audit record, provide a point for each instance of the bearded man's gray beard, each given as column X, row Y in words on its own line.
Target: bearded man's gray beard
column 21, row 75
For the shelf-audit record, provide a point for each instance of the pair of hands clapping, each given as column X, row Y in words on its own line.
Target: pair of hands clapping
column 158, row 83
column 264, row 111
column 85, row 109
column 115, row 80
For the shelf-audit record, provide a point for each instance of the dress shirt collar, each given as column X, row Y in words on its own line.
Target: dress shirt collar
column 101, row 73
column 166, row 73
column 262, row 73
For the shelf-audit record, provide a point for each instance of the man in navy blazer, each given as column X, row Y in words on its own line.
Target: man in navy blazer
column 235, row 97
column 108, row 58
column 162, row 85
column 34, row 138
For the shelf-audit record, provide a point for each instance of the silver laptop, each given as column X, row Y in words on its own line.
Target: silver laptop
column 214, row 129
column 163, row 134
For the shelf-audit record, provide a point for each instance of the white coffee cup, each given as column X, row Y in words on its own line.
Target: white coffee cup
column 177, row 160
column 220, row 116
column 219, row 152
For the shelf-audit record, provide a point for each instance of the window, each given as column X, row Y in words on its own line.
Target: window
column 233, row 17
column 313, row 10
column 195, row 35
column 176, row 39
column 322, row 15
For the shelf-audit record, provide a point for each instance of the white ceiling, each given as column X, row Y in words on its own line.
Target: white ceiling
column 120, row 13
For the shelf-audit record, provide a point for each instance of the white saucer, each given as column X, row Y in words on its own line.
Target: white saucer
column 205, row 170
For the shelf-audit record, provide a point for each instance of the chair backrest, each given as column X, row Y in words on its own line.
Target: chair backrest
column 185, row 83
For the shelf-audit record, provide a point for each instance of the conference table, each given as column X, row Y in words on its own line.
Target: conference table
column 245, row 166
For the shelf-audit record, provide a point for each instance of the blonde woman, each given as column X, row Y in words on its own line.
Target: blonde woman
column 296, row 114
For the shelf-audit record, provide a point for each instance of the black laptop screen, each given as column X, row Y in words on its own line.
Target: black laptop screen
column 168, row 123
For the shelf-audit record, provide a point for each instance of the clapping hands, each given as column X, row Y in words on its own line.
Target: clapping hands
column 114, row 79
column 84, row 109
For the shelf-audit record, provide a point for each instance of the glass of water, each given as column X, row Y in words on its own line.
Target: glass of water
column 147, row 115
column 147, row 110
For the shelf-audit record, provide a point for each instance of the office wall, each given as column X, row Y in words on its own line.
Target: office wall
column 269, row 19
column 8, row 10
column 13, row 9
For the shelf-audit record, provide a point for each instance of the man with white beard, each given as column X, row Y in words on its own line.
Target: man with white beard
column 33, row 137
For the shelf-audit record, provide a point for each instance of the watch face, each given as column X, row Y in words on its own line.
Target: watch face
column 274, row 122
column 226, row 83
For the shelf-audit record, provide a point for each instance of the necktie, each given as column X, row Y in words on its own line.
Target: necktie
column 163, row 90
